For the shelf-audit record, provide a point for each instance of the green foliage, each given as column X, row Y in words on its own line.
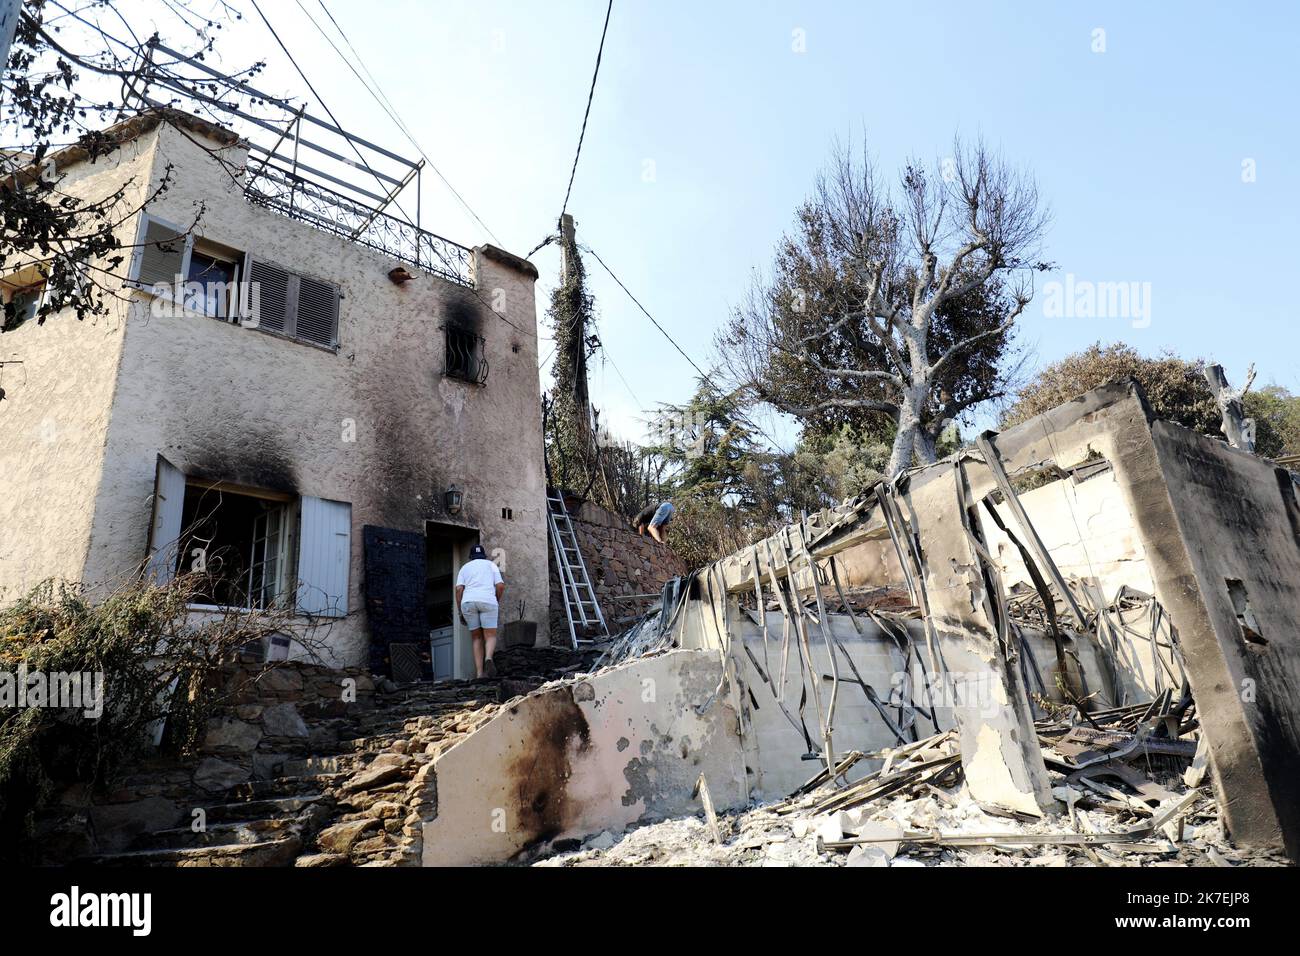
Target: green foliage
column 892, row 304
column 1277, row 420
column 574, row 459
column 731, row 489
column 705, row 529
column 718, row 475
column 1174, row 387
column 710, row 447
column 154, row 664
column 844, row 463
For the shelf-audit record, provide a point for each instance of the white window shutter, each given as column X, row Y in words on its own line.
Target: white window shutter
column 325, row 551
column 165, row 524
column 162, row 254
column 318, row 312
column 268, row 298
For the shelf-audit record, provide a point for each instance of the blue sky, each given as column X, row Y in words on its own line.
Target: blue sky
column 708, row 128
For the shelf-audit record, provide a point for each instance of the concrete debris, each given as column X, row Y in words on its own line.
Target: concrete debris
column 1041, row 647
column 899, row 816
column 866, row 855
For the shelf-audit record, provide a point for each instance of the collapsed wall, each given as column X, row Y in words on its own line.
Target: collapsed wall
column 1086, row 560
column 604, row 751
column 1215, row 529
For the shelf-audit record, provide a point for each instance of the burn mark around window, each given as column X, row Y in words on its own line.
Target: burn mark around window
column 464, row 346
column 257, row 463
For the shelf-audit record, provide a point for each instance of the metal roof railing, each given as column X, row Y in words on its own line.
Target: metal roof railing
column 349, row 187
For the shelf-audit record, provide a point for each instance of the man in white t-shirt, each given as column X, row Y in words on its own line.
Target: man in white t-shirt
column 479, row 587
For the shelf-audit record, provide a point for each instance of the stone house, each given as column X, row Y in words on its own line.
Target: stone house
column 267, row 400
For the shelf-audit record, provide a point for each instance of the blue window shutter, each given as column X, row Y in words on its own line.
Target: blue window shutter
column 165, row 523
column 324, row 555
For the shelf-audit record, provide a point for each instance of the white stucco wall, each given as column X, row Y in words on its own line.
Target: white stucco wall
column 228, row 403
column 54, row 419
column 1088, row 529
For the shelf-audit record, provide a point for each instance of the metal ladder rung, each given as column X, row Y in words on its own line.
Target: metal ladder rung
column 580, row 604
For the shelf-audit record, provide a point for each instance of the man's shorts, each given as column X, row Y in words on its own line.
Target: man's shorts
column 662, row 514
column 479, row 614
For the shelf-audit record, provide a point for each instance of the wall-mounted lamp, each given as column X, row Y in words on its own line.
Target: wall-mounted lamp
column 452, row 499
column 399, row 275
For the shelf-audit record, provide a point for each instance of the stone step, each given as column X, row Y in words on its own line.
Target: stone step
column 280, row 852
column 307, row 766
column 281, row 787
column 244, row 832
column 357, row 747
column 244, row 810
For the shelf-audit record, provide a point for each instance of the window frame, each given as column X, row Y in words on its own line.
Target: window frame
column 13, row 290
column 222, row 254
column 479, row 373
column 308, row 543
column 289, row 510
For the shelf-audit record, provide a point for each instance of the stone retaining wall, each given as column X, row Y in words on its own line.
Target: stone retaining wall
column 620, row 563
column 271, row 714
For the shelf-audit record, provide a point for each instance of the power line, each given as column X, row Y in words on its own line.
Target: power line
column 386, row 104
column 653, row 320
column 330, row 113
column 614, row 366
column 708, row 379
column 590, row 95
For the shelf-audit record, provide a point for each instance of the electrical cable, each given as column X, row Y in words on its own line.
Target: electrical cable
column 590, row 96
column 387, row 105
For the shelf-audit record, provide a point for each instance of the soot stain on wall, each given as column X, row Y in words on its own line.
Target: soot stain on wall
column 539, row 776
column 464, row 313
column 256, row 460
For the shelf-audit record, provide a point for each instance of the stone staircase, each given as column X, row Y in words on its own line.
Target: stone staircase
column 274, row 821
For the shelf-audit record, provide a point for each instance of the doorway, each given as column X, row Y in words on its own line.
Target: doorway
column 446, row 549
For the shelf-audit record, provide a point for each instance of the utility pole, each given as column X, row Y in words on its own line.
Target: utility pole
column 571, row 277
column 10, row 10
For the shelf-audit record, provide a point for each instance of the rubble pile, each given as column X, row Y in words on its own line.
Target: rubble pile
column 1132, row 792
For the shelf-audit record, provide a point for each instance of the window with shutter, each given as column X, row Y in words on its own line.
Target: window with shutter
column 318, row 311
column 162, row 255
column 268, row 295
column 210, row 279
column 286, row 303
